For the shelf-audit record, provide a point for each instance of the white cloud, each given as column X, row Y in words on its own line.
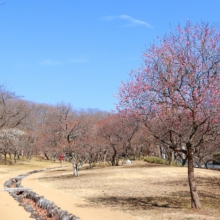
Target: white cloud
column 109, row 18
column 131, row 21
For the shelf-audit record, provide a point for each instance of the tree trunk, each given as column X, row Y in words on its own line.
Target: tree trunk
column 113, row 160
column 200, row 164
column 105, row 155
column 90, row 164
column 45, row 154
column 75, row 170
column 75, row 165
column 195, row 202
column 160, row 152
column 29, row 157
column 184, row 161
column 169, row 155
column 15, row 155
column 5, row 155
column 173, row 156
column 116, row 161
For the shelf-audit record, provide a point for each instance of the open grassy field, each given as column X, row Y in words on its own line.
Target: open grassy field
column 143, row 190
column 23, row 166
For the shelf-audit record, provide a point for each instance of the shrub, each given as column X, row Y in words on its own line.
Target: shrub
column 101, row 165
column 217, row 156
column 158, row 160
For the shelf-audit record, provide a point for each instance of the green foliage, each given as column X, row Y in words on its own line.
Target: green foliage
column 217, row 156
column 176, row 164
column 158, row 160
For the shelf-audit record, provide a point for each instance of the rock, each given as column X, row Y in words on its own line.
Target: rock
column 8, row 183
column 19, row 199
column 53, row 212
column 40, row 218
column 66, row 217
column 29, row 208
column 35, row 215
column 74, row 218
column 128, row 162
column 37, row 198
column 22, row 204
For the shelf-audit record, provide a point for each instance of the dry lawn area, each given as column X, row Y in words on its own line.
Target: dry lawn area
column 142, row 190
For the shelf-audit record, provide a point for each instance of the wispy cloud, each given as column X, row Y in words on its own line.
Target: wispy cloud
column 49, row 62
column 131, row 21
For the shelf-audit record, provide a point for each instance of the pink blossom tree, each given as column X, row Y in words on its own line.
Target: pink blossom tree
column 177, row 92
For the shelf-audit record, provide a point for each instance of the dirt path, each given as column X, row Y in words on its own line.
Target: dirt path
column 9, row 208
column 73, row 205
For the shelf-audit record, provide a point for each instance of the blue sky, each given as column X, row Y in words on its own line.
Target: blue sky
column 79, row 51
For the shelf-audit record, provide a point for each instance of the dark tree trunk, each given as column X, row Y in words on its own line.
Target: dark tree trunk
column 113, row 160
column 15, row 159
column 160, row 152
column 45, row 154
column 195, row 202
column 184, row 161
column 116, row 161
column 5, row 155
column 170, row 157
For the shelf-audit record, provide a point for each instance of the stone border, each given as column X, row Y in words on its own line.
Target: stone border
column 19, row 193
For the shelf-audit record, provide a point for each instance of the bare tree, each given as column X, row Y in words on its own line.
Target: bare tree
column 10, row 142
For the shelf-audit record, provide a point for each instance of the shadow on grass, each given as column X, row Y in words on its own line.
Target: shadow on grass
column 177, row 200
column 208, row 190
column 200, row 182
column 84, row 174
column 143, row 165
column 60, row 170
column 208, row 199
column 142, row 203
column 57, row 177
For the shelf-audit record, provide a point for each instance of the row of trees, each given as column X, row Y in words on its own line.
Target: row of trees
column 13, row 115
column 82, row 136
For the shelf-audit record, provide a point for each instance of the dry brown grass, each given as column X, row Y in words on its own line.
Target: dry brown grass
column 23, row 165
column 143, row 190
